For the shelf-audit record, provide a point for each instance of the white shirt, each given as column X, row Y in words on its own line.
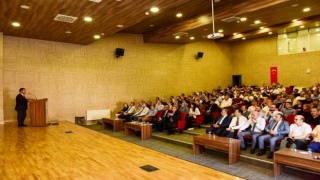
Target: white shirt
column 242, row 122
column 226, row 103
column 131, row 109
column 260, row 125
column 299, row 132
column 142, row 112
column 194, row 113
column 221, row 120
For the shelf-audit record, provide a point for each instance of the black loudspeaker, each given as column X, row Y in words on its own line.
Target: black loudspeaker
column 119, row 52
column 199, row 55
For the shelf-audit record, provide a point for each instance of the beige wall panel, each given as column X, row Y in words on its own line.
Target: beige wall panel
column 1, row 80
column 253, row 59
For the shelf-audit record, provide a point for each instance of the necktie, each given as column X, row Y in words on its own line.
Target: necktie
column 274, row 126
column 218, row 122
column 141, row 111
column 237, row 123
column 128, row 109
column 254, row 126
column 269, row 118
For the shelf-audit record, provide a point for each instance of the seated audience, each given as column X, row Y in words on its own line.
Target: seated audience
column 222, row 123
column 269, row 115
column 314, row 146
column 299, row 132
column 306, row 111
column 315, row 104
column 277, row 129
column 281, row 104
column 192, row 115
column 245, row 111
column 254, row 127
column 237, row 122
column 226, row 102
column 314, row 119
column 288, row 110
column 127, row 114
column 298, row 106
column 212, row 107
column 184, row 107
column 159, row 106
column 141, row 113
column 150, row 116
column 159, row 123
column 173, row 117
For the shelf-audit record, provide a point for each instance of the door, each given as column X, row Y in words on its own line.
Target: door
column 236, row 80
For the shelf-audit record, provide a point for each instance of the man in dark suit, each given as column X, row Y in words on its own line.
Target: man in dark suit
column 223, row 122
column 162, row 120
column 209, row 109
column 173, row 118
column 21, row 107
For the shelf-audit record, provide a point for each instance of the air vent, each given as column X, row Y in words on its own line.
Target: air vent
column 65, row 18
column 180, row 34
column 231, row 19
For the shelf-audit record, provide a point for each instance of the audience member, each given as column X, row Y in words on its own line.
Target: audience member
column 159, row 123
column 314, row 119
column 288, row 110
column 142, row 112
column 212, row 107
column 173, row 118
column 237, row 122
column 150, row 116
column 222, row 123
column 314, row 146
column 226, row 102
column 192, row 115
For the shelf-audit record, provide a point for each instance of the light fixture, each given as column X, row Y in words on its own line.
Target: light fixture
column 302, row 26
column 270, row 33
column 177, row 37
column 151, row 25
column 191, row 38
column 257, row 22
column 96, row 36
column 120, row 26
column 87, row 19
column 220, row 30
column 294, row 20
column 68, row 32
column 25, row 7
column 262, row 27
column 154, row 9
column 235, row 34
column 244, row 38
column 179, row 15
column 243, row 19
column 15, row 24
column 307, row 9
column 317, row 30
column 147, row 13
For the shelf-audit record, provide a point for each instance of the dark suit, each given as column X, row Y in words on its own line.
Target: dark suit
column 172, row 121
column 159, row 124
column 222, row 125
column 21, row 108
column 208, row 112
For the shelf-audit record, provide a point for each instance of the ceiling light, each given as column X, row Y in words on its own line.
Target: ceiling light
column 191, row 38
column 243, row 19
column 25, row 7
column 68, row 32
column 302, row 27
column 102, row 34
column 151, row 25
column 179, row 15
column 154, row 9
column 15, row 24
column 294, row 20
column 147, row 13
column 257, row 22
column 220, row 30
column 177, row 37
column 270, row 33
column 87, row 18
column 317, row 30
column 119, row 0
column 244, row 38
column 306, row 9
column 205, row 29
column 96, row 36
column 262, row 27
column 235, row 34
column 294, row 5
column 120, row 26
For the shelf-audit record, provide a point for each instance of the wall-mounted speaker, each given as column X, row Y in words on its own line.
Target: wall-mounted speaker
column 119, row 52
column 199, row 55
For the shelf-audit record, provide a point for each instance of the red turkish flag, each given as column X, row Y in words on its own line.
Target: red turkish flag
column 274, row 75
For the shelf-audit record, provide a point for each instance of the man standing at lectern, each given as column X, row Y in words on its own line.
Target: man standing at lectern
column 21, row 107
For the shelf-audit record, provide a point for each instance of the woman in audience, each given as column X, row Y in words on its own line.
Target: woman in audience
column 192, row 115
column 306, row 111
column 314, row 146
column 299, row 132
column 298, row 106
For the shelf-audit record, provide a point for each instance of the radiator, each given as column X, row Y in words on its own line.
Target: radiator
column 94, row 115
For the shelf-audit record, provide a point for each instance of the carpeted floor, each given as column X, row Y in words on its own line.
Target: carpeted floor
column 208, row 159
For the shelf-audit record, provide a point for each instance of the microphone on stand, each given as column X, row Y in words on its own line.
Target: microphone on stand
column 33, row 95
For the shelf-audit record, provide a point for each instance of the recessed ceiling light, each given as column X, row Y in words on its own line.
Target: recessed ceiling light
column 294, row 5
column 270, row 33
column 302, row 26
column 15, row 24
column 102, row 34
column 154, row 9
column 294, row 20
column 87, row 18
column 96, row 36
column 243, row 19
column 317, row 30
column 220, row 30
column 191, row 38
column 179, row 15
column 147, row 13
column 205, row 29
column 257, row 22
column 68, row 32
column 120, row 26
column 306, row 9
column 25, row 7
column 262, row 27
column 235, row 34
column 177, row 37
column 151, row 25
column 244, row 38
column 119, row 0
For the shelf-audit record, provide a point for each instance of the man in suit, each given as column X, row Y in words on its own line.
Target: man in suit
column 173, row 118
column 237, row 122
column 222, row 123
column 209, row 109
column 162, row 120
column 21, row 107
column 276, row 130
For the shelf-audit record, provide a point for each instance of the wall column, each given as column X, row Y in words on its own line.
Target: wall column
column 1, row 78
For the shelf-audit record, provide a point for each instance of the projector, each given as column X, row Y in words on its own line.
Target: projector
column 215, row 36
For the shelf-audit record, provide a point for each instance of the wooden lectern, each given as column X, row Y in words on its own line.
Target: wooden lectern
column 38, row 112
